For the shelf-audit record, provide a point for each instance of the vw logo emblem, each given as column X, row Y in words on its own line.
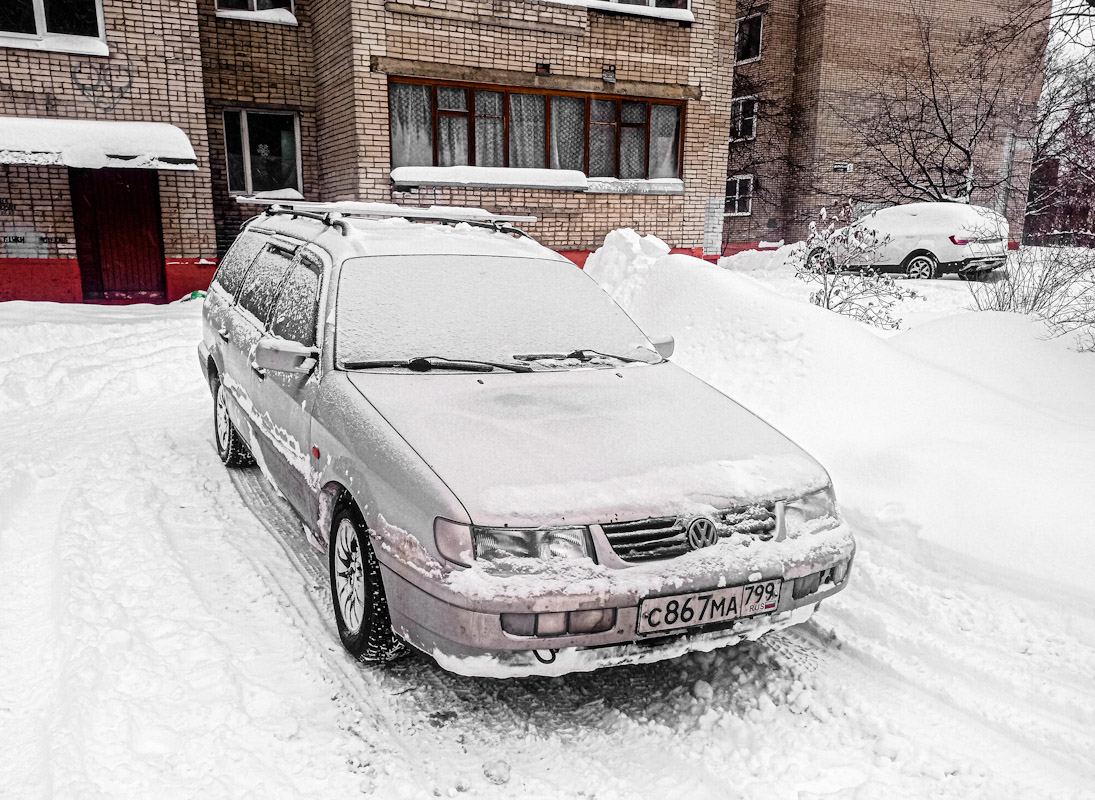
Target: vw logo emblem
column 702, row 533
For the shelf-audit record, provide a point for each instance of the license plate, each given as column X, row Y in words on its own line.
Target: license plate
column 702, row 608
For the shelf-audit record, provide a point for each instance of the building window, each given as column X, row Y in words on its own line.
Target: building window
column 254, row 5
column 743, row 119
column 739, row 196
column 747, row 39
column 444, row 124
column 40, row 18
column 263, row 149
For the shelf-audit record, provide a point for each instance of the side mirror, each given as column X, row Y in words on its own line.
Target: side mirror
column 663, row 344
column 283, row 355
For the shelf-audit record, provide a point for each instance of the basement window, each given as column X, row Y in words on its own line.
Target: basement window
column 747, row 39
column 739, row 196
column 67, row 26
column 263, row 150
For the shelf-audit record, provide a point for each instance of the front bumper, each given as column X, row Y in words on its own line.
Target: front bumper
column 457, row 619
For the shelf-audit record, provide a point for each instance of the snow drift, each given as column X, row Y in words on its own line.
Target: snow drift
column 970, row 433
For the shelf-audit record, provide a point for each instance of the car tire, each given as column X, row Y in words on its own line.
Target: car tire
column 922, row 266
column 357, row 592
column 233, row 451
column 819, row 256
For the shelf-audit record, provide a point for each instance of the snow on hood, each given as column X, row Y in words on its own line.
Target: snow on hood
column 589, row 445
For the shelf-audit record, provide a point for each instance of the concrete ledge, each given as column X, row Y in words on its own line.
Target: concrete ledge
column 506, row 77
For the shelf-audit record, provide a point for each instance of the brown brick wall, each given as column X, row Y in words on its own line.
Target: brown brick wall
column 153, row 74
column 840, row 50
column 351, row 100
column 257, row 66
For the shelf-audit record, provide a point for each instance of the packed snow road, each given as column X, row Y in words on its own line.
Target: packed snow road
column 165, row 631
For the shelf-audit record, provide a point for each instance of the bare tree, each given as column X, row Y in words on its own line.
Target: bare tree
column 1063, row 145
column 943, row 122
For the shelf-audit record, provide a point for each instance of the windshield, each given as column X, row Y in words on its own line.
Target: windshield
column 487, row 308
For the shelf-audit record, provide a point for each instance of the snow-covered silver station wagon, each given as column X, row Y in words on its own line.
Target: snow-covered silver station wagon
column 506, row 472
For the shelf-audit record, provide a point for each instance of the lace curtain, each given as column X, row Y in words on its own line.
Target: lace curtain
column 412, row 132
column 526, row 131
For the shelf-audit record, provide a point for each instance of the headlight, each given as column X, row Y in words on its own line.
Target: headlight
column 531, row 543
column 813, row 512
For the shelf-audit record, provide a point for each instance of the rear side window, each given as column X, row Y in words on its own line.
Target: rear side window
column 298, row 303
column 236, row 261
column 263, row 280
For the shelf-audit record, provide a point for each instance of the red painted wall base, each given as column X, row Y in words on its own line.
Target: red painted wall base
column 186, row 275
column 56, row 279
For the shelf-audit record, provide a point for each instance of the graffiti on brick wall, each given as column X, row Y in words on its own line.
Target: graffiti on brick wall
column 21, row 243
column 104, row 84
column 27, row 103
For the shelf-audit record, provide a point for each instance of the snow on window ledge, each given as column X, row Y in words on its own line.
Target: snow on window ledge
column 58, row 43
column 279, row 16
column 639, row 186
column 274, row 194
column 674, row 14
column 491, row 177
column 510, row 177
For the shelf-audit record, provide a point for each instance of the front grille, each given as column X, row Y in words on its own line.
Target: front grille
column 647, row 539
column 666, row 537
column 757, row 520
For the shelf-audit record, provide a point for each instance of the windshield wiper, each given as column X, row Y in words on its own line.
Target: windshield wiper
column 584, row 354
column 427, row 363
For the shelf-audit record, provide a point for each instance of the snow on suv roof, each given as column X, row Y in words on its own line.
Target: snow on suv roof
column 352, row 236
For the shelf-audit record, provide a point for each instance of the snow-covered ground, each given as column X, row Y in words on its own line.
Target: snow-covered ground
column 165, row 629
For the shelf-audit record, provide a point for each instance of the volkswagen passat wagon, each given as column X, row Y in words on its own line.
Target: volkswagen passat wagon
column 505, row 472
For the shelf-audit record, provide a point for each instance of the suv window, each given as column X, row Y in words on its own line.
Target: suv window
column 236, row 261
column 260, row 287
column 298, row 303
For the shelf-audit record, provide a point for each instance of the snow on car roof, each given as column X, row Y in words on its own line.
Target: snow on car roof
column 929, row 216
column 386, row 237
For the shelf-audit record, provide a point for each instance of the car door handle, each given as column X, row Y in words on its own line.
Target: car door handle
column 259, row 371
column 223, row 333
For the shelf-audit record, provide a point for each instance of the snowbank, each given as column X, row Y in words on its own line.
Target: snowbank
column 969, row 433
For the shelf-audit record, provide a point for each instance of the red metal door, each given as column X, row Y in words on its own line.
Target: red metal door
column 119, row 239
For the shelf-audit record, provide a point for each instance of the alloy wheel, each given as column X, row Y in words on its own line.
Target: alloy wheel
column 349, row 575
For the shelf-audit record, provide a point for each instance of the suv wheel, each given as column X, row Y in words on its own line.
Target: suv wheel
column 230, row 445
column 361, row 609
column 921, row 267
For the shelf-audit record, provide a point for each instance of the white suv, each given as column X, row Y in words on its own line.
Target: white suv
column 922, row 240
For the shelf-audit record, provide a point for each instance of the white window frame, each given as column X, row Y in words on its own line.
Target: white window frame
column 738, row 101
column 58, row 42
column 738, row 195
column 644, row 8
column 251, row 9
column 245, row 137
column 737, row 31
column 253, row 14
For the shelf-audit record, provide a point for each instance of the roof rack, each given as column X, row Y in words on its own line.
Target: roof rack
column 332, row 213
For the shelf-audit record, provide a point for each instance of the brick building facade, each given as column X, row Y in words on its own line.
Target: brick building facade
column 588, row 114
column 824, row 69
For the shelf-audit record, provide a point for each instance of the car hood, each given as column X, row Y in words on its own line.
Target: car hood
column 588, row 445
